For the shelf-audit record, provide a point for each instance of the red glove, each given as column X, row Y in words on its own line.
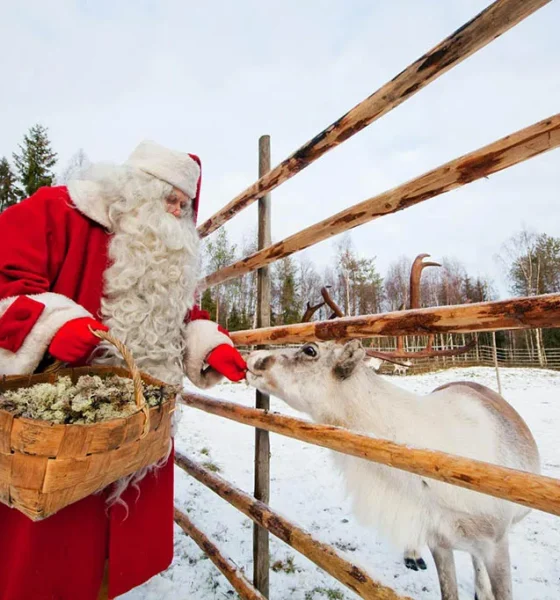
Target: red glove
column 227, row 361
column 74, row 341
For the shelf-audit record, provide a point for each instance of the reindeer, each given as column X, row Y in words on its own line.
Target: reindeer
column 401, row 369
column 330, row 382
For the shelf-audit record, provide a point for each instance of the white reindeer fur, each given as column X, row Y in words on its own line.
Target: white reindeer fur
column 408, row 509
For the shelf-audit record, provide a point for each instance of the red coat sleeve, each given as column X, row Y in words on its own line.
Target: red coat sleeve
column 30, row 314
column 24, row 248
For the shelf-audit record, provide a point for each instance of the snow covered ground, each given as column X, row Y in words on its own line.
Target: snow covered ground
column 306, row 488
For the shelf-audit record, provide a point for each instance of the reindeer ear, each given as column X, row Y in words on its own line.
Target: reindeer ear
column 350, row 357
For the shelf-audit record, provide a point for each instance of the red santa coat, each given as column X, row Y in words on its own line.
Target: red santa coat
column 52, row 261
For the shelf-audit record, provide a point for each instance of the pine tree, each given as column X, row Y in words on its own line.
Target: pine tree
column 396, row 285
column 35, row 161
column 207, row 303
column 287, row 292
column 235, row 321
column 367, row 287
column 8, row 190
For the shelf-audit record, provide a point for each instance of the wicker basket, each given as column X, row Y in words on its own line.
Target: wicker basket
column 45, row 467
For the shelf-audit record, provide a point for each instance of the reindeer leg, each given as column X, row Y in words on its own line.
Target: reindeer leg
column 445, row 565
column 497, row 562
column 482, row 585
column 413, row 560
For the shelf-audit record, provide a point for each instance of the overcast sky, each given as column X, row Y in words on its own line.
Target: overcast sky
column 211, row 77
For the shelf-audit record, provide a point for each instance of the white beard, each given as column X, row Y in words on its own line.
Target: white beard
column 150, row 285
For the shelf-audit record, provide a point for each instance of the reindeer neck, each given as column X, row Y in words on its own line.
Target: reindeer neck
column 372, row 404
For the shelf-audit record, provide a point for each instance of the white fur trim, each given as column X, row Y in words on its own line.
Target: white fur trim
column 58, row 311
column 88, row 198
column 201, row 338
column 176, row 168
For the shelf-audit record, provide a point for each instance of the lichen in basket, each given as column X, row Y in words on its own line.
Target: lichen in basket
column 91, row 399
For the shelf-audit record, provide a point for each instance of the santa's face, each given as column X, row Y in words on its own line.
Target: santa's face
column 177, row 202
column 150, row 283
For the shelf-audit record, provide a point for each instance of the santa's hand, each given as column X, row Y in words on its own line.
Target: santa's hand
column 227, row 361
column 74, row 341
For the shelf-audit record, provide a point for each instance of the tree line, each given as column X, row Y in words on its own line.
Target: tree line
column 531, row 262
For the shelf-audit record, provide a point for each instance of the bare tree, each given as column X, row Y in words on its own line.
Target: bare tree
column 78, row 162
column 524, row 265
column 219, row 252
column 397, row 284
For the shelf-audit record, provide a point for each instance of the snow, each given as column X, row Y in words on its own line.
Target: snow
column 306, row 488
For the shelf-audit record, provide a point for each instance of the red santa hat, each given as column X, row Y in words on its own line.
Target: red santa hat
column 179, row 169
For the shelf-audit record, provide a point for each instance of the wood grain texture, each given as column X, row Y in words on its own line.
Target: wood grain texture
column 499, row 155
column 534, row 491
column 492, row 22
column 517, row 313
column 45, row 467
column 321, row 554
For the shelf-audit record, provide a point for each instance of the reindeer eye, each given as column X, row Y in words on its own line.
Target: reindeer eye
column 309, row 351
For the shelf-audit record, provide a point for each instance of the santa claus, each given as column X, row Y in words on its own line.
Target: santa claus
column 116, row 249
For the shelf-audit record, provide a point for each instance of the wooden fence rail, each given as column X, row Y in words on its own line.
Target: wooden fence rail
column 518, row 313
column 228, row 568
column 498, row 18
column 534, row 491
column 499, row 155
column 321, row 554
column 524, row 488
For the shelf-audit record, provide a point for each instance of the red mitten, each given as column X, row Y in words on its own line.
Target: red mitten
column 227, row 361
column 74, row 341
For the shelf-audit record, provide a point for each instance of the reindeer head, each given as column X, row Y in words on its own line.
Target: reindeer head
column 306, row 377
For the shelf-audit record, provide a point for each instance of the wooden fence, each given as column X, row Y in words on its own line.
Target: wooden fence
column 542, row 311
column 482, row 356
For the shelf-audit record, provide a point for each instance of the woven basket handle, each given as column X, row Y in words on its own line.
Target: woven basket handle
column 136, row 378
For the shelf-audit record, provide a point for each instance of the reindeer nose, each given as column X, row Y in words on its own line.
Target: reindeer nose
column 261, row 363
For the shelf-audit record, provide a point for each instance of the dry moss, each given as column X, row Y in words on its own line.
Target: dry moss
column 90, row 400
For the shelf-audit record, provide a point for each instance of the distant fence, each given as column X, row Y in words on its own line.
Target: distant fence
column 479, row 356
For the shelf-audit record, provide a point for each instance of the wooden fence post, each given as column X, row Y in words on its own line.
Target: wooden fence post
column 261, row 557
column 495, row 355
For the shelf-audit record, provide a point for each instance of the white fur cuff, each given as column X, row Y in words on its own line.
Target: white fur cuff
column 88, row 198
column 201, row 338
column 58, row 311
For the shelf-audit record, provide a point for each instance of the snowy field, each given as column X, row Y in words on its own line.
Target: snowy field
column 306, row 488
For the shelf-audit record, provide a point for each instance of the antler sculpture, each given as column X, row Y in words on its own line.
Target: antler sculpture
column 415, row 276
column 310, row 311
column 337, row 313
